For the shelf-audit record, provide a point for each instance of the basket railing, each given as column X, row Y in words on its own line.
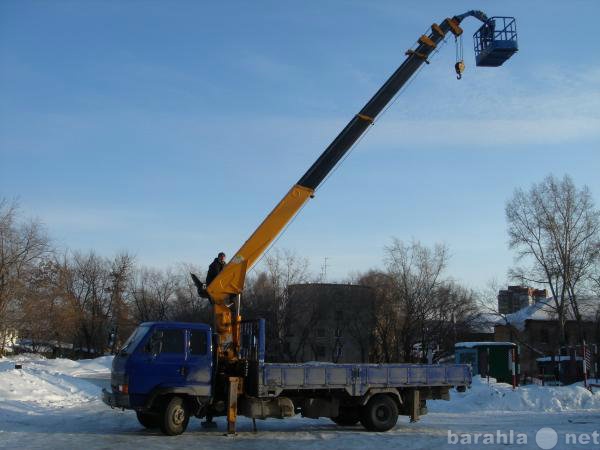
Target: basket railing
column 495, row 29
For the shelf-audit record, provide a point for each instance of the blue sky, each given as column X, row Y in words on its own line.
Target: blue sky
column 170, row 129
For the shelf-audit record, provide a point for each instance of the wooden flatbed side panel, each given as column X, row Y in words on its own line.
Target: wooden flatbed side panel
column 358, row 378
column 398, row 376
column 338, row 376
column 436, row 375
column 456, row 374
column 293, row 376
column 377, row 375
column 417, row 375
column 316, row 376
column 272, row 376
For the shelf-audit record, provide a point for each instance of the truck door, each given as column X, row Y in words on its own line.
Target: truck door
column 165, row 359
column 198, row 367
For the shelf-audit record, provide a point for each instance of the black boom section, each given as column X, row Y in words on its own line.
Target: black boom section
column 359, row 123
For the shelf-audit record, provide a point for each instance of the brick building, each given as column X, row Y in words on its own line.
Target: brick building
column 518, row 297
column 536, row 329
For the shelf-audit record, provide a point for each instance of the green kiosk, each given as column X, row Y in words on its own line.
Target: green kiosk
column 490, row 358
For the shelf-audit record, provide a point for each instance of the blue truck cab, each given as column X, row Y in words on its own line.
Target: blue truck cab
column 158, row 359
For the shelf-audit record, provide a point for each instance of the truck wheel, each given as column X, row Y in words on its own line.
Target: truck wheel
column 148, row 420
column 379, row 414
column 347, row 417
column 175, row 417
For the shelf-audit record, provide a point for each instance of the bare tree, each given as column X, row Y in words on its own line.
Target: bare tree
column 267, row 296
column 554, row 228
column 187, row 305
column 416, row 274
column 594, row 277
column 88, row 281
column 453, row 315
column 121, row 269
column 152, row 292
column 387, row 316
column 22, row 246
column 42, row 315
column 284, row 268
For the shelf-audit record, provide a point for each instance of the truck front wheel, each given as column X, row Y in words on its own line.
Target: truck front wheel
column 175, row 417
column 379, row 414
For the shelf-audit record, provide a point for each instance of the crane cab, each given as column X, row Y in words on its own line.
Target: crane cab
column 495, row 41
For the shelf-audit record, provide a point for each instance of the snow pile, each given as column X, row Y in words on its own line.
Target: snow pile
column 48, row 383
column 500, row 397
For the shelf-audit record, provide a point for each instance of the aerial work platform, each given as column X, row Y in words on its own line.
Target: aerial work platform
column 495, row 41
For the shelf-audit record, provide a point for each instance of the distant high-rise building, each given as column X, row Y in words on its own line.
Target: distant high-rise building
column 518, row 297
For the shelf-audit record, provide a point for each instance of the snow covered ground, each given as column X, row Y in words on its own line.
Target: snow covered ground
column 55, row 404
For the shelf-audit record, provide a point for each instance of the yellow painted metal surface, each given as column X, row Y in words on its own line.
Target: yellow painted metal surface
column 231, row 279
column 456, row 30
column 436, row 29
column 427, row 41
column 365, row 117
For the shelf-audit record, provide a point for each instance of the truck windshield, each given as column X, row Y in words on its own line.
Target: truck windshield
column 132, row 342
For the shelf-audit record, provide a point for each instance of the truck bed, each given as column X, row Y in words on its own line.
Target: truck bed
column 357, row 379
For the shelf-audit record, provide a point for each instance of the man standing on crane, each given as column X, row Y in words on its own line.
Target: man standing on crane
column 215, row 268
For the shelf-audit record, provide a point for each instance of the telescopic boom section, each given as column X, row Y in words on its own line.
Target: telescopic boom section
column 230, row 282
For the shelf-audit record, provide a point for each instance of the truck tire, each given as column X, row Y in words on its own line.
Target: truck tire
column 347, row 417
column 379, row 414
column 148, row 420
column 175, row 416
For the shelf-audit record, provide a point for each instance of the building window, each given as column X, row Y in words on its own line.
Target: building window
column 321, row 332
column 320, row 351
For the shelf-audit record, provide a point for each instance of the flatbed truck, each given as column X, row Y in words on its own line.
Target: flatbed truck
column 167, row 372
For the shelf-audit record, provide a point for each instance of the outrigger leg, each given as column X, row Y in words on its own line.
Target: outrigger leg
column 232, row 396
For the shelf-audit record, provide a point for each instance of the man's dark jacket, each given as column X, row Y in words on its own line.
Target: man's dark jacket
column 213, row 270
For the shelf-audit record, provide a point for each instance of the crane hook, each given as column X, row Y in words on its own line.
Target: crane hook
column 460, row 68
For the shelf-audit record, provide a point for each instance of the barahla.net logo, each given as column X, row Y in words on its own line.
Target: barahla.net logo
column 546, row 438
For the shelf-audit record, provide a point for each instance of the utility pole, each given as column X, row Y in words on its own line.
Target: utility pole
column 324, row 269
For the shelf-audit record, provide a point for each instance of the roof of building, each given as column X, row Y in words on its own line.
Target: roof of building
column 484, row 322
column 557, row 358
column 544, row 310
